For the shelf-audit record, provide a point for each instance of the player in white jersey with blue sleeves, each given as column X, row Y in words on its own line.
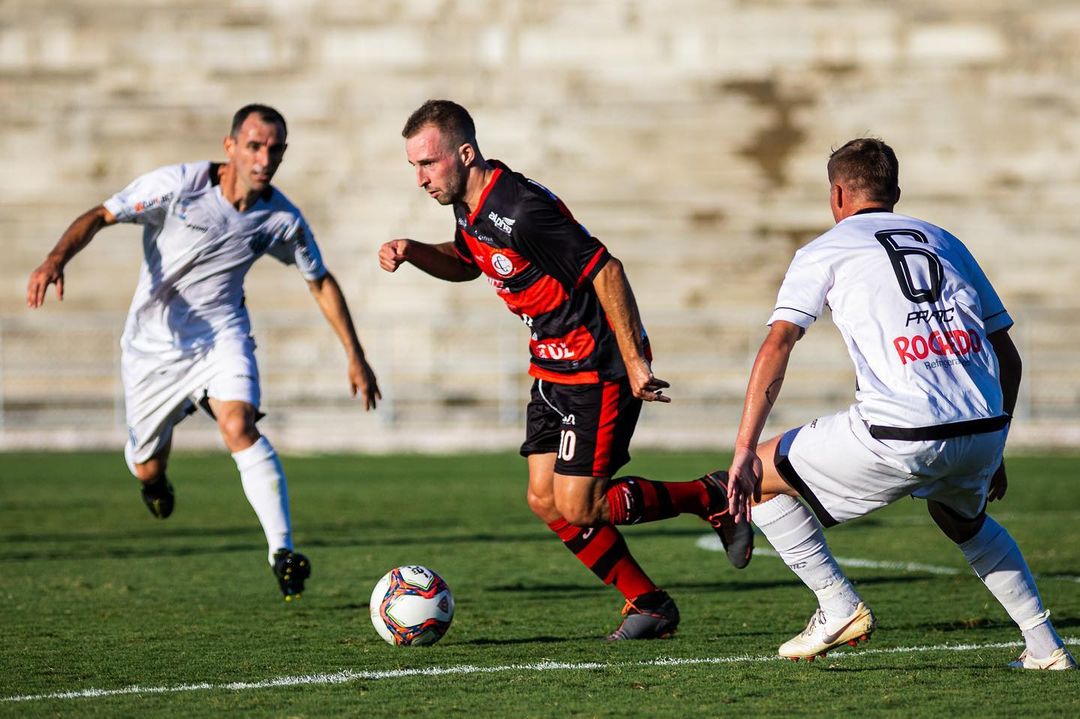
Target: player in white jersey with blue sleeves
column 937, row 379
column 187, row 342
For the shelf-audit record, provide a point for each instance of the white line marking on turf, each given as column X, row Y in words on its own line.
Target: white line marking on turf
column 345, row 676
column 711, row 542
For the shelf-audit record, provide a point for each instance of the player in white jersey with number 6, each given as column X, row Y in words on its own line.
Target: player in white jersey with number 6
column 187, row 342
column 937, row 379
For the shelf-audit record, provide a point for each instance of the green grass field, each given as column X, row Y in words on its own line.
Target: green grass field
column 109, row 612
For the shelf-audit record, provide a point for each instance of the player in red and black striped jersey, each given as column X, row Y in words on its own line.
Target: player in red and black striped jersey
column 589, row 356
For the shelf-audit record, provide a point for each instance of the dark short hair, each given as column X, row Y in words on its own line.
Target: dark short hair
column 869, row 166
column 265, row 113
column 452, row 119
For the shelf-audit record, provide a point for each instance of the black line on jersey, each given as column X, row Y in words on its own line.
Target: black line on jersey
column 796, row 309
column 994, row 315
column 783, row 466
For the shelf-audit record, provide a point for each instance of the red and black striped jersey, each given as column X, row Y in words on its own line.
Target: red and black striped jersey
column 541, row 262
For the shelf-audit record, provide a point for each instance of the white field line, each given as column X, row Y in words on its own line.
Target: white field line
column 712, row 543
column 709, row 542
column 345, row 676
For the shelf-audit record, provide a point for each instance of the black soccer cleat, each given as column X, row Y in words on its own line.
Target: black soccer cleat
column 650, row 616
column 738, row 539
column 159, row 497
column 291, row 569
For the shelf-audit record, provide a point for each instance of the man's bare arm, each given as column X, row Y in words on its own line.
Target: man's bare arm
column 439, row 261
column 75, row 238
column 331, row 301
column 617, row 298
column 762, row 391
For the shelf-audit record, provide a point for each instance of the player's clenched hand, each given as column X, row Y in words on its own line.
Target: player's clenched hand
column 744, row 483
column 999, row 484
column 392, row 254
column 48, row 273
column 362, row 382
column 644, row 385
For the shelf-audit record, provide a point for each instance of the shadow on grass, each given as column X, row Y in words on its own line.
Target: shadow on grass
column 482, row 642
column 738, row 581
column 966, row 625
column 147, row 542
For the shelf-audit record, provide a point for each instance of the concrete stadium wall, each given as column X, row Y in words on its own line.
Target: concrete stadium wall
column 690, row 135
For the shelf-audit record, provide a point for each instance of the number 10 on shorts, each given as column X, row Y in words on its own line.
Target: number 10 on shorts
column 567, row 442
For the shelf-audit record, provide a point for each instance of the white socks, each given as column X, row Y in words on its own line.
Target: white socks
column 796, row 535
column 997, row 561
column 266, row 490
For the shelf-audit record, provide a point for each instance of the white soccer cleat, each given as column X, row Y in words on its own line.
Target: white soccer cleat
column 822, row 635
column 1058, row 659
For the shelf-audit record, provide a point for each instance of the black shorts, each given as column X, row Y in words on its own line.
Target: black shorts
column 588, row 426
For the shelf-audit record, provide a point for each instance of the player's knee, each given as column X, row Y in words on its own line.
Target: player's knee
column 238, row 428
column 543, row 506
column 148, row 471
column 581, row 513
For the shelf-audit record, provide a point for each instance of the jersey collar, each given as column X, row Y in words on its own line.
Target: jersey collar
column 499, row 167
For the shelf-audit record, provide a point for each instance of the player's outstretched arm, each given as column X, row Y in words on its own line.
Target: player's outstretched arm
column 437, row 260
column 766, row 378
column 617, row 298
column 75, row 237
column 331, row 301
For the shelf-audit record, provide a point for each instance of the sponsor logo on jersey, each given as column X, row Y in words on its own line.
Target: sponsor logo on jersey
column 943, row 316
column 502, row 264
column 499, row 285
column 197, row 228
column 152, row 202
column 554, row 350
column 503, row 223
column 959, row 343
column 569, row 419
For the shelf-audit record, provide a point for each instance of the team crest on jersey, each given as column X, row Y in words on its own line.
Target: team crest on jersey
column 502, row 264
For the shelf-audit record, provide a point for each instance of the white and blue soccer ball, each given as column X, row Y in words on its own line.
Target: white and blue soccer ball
column 411, row 606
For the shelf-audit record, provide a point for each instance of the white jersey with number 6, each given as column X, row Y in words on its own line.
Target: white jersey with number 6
column 914, row 309
column 197, row 248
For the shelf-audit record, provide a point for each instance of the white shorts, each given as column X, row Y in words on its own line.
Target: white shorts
column 842, row 472
column 158, row 395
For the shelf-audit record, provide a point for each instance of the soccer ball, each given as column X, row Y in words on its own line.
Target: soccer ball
column 411, row 606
